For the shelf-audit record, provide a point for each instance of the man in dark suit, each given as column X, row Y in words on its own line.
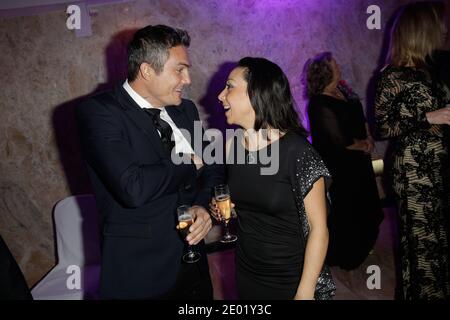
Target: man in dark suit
column 129, row 137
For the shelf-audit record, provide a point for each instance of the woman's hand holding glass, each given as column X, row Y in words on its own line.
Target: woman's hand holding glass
column 215, row 211
column 223, row 210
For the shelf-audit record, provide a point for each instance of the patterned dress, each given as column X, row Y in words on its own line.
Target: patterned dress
column 420, row 177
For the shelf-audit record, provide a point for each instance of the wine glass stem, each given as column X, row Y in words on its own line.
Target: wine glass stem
column 227, row 230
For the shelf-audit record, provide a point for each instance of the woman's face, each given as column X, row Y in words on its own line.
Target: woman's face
column 236, row 102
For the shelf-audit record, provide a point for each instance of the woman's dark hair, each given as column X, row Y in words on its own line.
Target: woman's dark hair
column 151, row 44
column 270, row 96
column 317, row 74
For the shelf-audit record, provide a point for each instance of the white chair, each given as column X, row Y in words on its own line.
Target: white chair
column 77, row 273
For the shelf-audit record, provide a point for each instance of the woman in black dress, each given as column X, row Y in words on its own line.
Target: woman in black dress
column 340, row 135
column 282, row 231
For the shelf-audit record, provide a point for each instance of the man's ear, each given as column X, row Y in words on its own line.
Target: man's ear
column 146, row 71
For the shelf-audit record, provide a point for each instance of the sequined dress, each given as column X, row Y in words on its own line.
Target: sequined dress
column 270, row 249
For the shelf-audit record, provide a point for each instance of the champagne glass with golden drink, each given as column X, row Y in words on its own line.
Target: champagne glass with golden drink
column 223, row 201
column 185, row 220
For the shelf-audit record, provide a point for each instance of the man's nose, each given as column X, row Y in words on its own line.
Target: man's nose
column 187, row 79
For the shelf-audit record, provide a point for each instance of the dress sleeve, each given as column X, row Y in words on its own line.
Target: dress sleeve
column 306, row 168
column 399, row 108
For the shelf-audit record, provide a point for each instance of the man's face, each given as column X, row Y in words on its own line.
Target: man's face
column 165, row 88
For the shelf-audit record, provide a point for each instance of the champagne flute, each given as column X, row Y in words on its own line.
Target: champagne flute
column 223, row 201
column 185, row 220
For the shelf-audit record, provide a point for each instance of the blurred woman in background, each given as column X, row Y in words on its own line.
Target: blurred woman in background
column 410, row 109
column 340, row 134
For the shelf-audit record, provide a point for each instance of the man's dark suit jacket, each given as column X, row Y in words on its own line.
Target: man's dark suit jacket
column 138, row 189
